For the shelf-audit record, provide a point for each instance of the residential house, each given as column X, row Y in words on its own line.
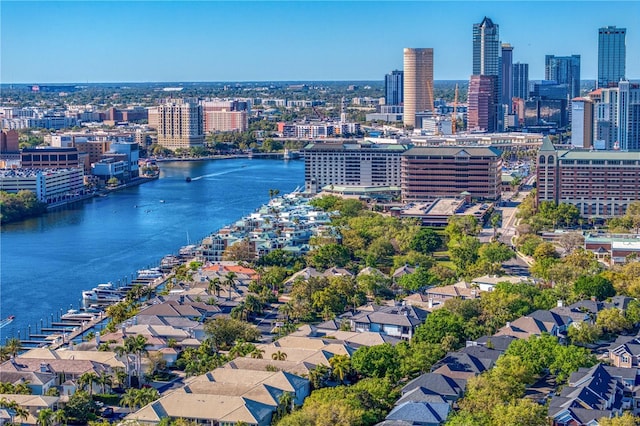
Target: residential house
column 592, row 389
column 395, row 321
column 536, row 323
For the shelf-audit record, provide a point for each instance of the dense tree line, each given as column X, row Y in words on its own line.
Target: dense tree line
column 20, row 206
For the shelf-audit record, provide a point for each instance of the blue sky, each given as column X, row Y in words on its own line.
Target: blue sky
column 93, row 41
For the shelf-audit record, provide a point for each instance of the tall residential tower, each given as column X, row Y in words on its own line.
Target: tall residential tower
column 180, row 124
column 418, row 83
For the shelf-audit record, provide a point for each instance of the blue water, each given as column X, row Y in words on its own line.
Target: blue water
column 46, row 262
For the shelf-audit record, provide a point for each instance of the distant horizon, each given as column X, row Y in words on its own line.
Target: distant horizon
column 81, row 83
column 53, row 42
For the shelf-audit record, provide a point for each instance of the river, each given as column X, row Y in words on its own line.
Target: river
column 46, row 262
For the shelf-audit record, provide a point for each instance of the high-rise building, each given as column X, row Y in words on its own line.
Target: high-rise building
column 486, row 62
column 617, row 116
column 486, row 48
column 418, row 83
column 481, row 109
column 564, row 70
column 394, row 88
column 520, row 80
column 611, row 55
column 581, row 123
column 506, row 77
column 180, row 124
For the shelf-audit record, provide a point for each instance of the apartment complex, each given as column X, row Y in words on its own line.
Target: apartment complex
column 180, row 124
column 351, row 164
column 434, row 172
column 394, row 88
column 600, row 184
column 418, row 83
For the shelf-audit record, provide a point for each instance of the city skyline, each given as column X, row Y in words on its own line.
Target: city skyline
column 56, row 42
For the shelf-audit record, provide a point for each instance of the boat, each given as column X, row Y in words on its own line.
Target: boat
column 75, row 315
column 8, row 320
column 188, row 179
column 150, row 273
column 103, row 293
column 162, row 201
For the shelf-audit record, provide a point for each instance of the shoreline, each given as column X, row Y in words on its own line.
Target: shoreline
column 95, row 327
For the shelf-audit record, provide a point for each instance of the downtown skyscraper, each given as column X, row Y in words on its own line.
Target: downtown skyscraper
column 521, row 80
column 418, row 83
column 394, row 88
column 612, row 55
column 485, row 92
column 564, row 70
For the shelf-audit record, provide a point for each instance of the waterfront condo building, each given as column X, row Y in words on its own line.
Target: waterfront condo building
column 418, row 83
column 612, row 55
column 481, row 112
column 180, row 124
column 351, row 164
column 435, row 172
column 598, row 183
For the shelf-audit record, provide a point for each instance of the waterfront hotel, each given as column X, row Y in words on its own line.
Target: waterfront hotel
column 599, row 183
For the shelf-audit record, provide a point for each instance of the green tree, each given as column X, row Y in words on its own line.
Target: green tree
column 45, row 417
column 627, row 419
column 224, row 332
column 613, row 321
column 594, row 286
column 426, row 241
column 329, row 255
column 440, row 324
column 340, row 366
column 80, row 407
column 376, row 361
column 464, row 252
column 584, row 333
column 523, row 412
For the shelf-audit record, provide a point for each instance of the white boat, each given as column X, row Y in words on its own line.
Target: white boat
column 74, row 315
column 103, row 293
column 7, row 321
column 150, row 273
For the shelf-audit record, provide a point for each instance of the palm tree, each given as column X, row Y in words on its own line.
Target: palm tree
column 257, row 353
column 87, row 380
column 129, row 399
column 45, row 417
column 214, row 285
column 279, row 356
column 318, row 376
column 104, row 380
column 13, row 346
column 136, row 345
column 59, row 417
column 252, row 305
column 285, row 404
column 4, row 353
column 340, row 366
column 230, row 281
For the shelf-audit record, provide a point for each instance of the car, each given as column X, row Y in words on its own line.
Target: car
column 107, row 412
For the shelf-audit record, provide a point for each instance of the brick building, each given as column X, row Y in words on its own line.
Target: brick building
column 599, row 183
column 435, row 172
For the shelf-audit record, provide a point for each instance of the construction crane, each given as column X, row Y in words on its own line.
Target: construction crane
column 454, row 115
